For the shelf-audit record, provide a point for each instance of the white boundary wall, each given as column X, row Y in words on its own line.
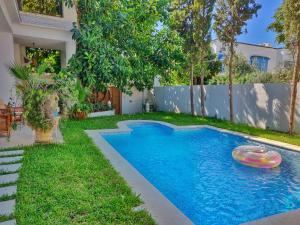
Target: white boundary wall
column 260, row 105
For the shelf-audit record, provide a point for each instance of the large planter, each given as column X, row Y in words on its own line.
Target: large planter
column 103, row 113
column 43, row 136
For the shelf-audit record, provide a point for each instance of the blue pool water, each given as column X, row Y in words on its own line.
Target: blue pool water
column 194, row 169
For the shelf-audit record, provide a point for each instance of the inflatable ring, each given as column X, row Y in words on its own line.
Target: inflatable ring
column 257, row 156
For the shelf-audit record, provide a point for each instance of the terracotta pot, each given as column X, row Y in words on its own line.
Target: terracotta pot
column 80, row 115
column 42, row 136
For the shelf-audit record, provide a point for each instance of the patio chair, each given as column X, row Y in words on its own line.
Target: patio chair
column 5, row 122
column 17, row 113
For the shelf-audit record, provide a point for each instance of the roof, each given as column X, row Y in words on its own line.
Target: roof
column 256, row 45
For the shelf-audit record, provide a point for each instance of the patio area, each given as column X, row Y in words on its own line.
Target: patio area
column 25, row 136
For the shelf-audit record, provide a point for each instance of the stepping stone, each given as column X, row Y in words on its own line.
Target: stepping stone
column 7, row 153
column 8, row 191
column 7, row 207
column 9, row 178
column 10, row 168
column 10, row 222
column 10, row 159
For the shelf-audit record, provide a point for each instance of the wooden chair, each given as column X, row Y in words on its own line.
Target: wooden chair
column 17, row 114
column 5, row 122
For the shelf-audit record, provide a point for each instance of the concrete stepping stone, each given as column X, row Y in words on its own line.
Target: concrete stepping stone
column 10, row 168
column 10, row 222
column 7, row 207
column 7, row 153
column 9, row 178
column 8, row 191
column 10, row 159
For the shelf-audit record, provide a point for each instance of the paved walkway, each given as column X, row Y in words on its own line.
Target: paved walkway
column 24, row 136
column 10, row 164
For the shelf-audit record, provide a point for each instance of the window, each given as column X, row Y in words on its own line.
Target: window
column 260, row 62
column 49, row 7
column 221, row 58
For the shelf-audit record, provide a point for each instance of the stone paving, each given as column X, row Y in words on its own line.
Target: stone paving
column 10, row 164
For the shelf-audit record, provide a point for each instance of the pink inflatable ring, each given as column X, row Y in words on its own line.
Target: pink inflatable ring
column 257, row 156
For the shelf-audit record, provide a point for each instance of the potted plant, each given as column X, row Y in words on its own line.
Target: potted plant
column 39, row 99
column 82, row 107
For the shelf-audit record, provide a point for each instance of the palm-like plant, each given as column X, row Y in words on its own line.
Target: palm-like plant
column 38, row 97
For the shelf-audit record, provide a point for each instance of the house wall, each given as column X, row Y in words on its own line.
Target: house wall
column 7, row 82
column 19, row 29
column 276, row 56
column 259, row 105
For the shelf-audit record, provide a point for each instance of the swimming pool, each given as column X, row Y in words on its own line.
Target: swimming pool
column 194, row 169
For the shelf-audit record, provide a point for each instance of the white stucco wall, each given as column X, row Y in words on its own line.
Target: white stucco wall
column 7, row 82
column 132, row 104
column 260, row 105
column 276, row 56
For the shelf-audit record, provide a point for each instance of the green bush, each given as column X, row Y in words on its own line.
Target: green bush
column 100, row 106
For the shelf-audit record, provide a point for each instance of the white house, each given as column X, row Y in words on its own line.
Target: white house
column 21, row 29
column 264, row 56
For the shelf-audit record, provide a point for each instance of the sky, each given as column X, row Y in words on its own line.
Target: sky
column 257, row 26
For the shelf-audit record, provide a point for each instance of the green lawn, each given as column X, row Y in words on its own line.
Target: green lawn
column 73, row 183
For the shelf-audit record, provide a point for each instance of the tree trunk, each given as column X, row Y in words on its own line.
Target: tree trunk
column 202, row 95
column 192, row 89
column 230, row 81
column 294, row 89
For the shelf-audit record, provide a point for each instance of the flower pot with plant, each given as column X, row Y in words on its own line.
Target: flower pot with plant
column 39, row 100
column 82, row 107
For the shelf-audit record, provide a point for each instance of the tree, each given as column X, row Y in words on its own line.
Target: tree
column 230, row 18
column 287, row 25
column 120, row 44
column 183, row 21
column 192, row 19
column 203, row 20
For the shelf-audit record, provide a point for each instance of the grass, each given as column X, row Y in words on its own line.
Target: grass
column 73, row 183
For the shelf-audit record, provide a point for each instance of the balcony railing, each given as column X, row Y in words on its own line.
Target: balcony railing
column 44, row 7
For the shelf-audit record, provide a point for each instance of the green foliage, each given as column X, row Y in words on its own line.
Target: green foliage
column 47, row 7
column 240, row 65
column 192, row 20
column 280, row 76
column 119, row 44
column 82, row 104
column 38, row 96
column 231, row 16
column 278, row 25
column 65, row 86
column 38, row 109
column 47, row 57
column 99, row 107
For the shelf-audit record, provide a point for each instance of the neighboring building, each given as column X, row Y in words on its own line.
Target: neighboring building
column 264, row 56
column 19, row 30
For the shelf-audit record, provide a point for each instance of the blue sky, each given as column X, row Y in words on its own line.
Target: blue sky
column 257, row 27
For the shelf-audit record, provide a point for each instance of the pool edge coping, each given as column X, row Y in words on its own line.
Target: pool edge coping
column 161, row 209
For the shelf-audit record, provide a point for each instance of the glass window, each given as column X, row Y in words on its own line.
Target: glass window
column 260, row 62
